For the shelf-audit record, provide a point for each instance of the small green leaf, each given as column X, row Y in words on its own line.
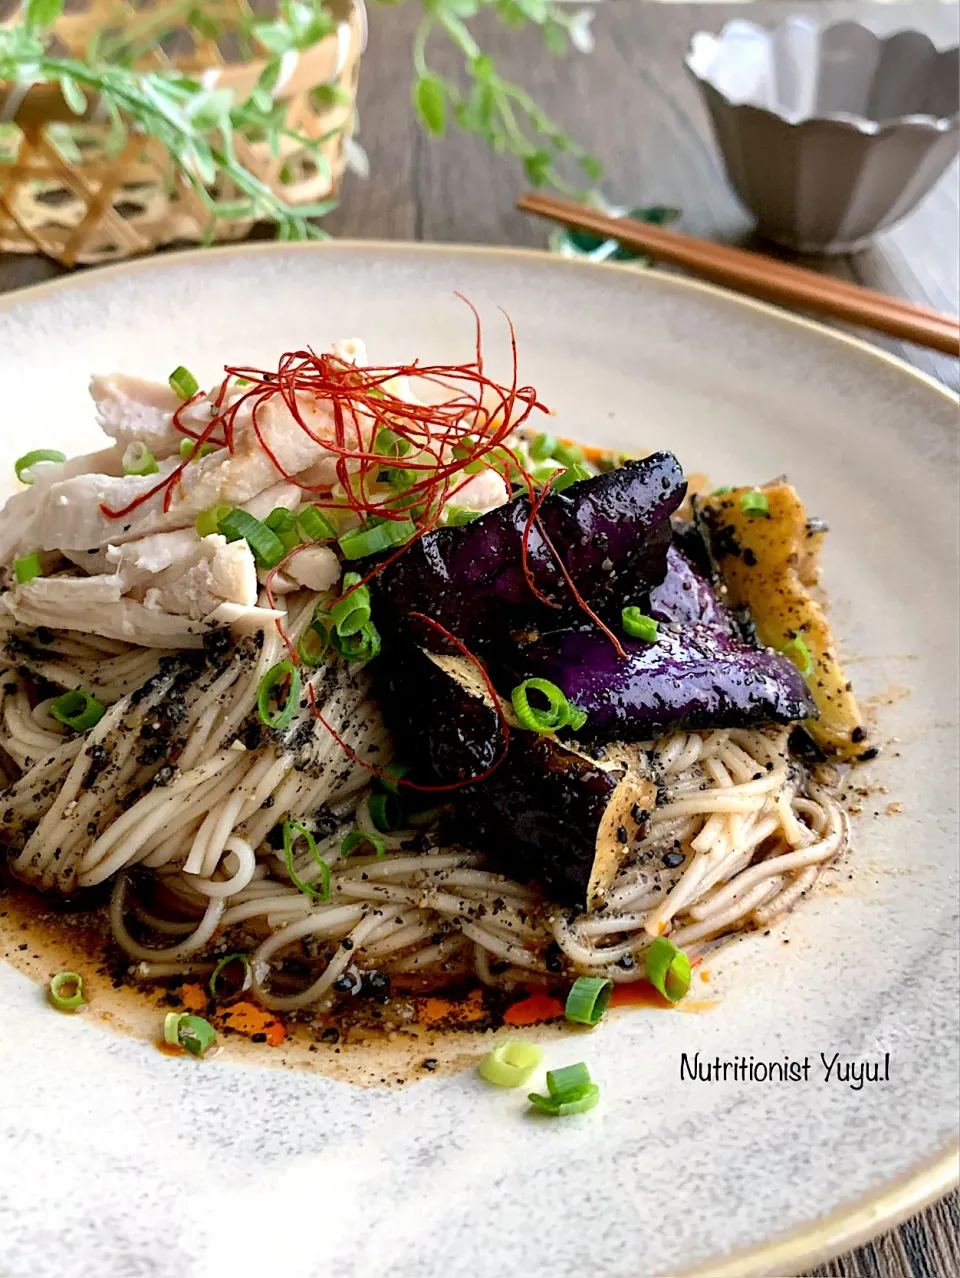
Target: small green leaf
column 328, row 95
column 42, row 13
column 430, row 103
column 537, row 166
column 555, row 38
column 73, row 94
column 591, row 167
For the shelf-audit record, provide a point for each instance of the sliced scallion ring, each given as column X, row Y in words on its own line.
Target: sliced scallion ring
column 225, row 962
column 283, row 672
column 26, row 568
column 194, row 1034
column 568, row 454
column 567, row 1103
column 190, row 448
column 568, row 1078
column 391, row 775
column 291, row 831
column 801, row 656
column 755, row 502
column 588, row 999
column 668, row 969
column 265, row 545
column 360, row 542
column 23, row 466
column 358, row 648
column 313, row 644
column 542, row 448
column 351, row 612
column 78, row 710
column 357, row 838
column 313, row 525
column 65, row 991
column 385, row 812
column 572, row 475
column 638, row 625
column 511, row 1063
column 183, row 383
column 556, row 715
column 457, row 516
column 139, row 460
column 208, row 521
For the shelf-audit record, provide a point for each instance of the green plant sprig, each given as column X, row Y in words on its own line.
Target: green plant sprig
column 195, row 122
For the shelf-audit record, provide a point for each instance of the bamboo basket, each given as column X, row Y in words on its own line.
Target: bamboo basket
column 63, row 194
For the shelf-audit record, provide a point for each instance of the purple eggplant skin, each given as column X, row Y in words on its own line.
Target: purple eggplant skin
column 692, row 677
column 445, row 735
column 685, row 597
column 555, row 817
column 611, row 531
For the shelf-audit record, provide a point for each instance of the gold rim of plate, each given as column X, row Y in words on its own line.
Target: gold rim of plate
column 883, row 1208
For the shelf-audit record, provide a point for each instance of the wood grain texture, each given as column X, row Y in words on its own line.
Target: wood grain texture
column 633, row 104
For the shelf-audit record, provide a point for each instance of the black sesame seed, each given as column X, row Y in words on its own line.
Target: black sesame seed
column 622, row 835
column 430, row 1064
column 857, row 735
column 331, row 1035
column 672, row 859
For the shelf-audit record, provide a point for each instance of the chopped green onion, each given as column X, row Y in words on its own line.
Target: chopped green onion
column 457, row 516
column 78, row 710
column 558, row 711
column 572, row 475
column 568, row 1078
column 225, row 962
column 397, row 477
column 577, row 717
column 755, row 503
column 668, row 969
column 385, row 812
column 540, row 474
column 391, row 775
column 568, row 454
column 313, row 645
column 588, row 999
column 511, row 1063
column 183, row 383
column 542, row 448
column 282, row 522
column 357, row 838
column 266, row 546
column 66, row 981
column 569, row 1091
column 26, row 568
column 243, row 381
column 190, row 448
column 183, row 1029
column 370, row 541
column 291, row 830
column 721, row 492
column 313, row 525
column 389, row 444
column 567, row 1103
column 638, row 625
column 138, row 460
column 358, row 648
column 282, row 672
column 351, row 612
column 208, row 521
column 799, row 654
column 22, row 466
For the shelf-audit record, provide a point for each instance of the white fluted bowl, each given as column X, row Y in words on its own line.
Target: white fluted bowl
column 829, row 134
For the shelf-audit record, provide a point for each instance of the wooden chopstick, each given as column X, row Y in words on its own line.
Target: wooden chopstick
column 760, row 276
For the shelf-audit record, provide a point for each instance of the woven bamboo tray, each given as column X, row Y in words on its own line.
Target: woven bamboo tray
column 64, row 194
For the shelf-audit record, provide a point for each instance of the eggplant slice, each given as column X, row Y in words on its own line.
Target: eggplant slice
column 611, row 531
column 547, row 812
column 692, row 677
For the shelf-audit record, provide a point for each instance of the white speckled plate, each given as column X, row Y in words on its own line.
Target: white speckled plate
column 115, row 1161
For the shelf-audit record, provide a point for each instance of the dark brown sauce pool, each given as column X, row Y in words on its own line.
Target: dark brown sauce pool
column 367, row 1043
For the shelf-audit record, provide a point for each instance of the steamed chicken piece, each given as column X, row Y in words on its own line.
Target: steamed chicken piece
column 134, row 410
column 767, row 561
column 67, row 515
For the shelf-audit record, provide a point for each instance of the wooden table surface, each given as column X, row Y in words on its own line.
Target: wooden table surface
column 633, row 105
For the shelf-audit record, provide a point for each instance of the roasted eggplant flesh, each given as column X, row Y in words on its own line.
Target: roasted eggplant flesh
column 610, row 533
column 691, row 677
column 555, row 816
column 768, row 563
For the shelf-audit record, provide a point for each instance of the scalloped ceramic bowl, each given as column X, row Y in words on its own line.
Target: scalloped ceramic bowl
column 829, row 134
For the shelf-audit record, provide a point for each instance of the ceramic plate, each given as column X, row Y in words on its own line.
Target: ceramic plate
column 117, row 1161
